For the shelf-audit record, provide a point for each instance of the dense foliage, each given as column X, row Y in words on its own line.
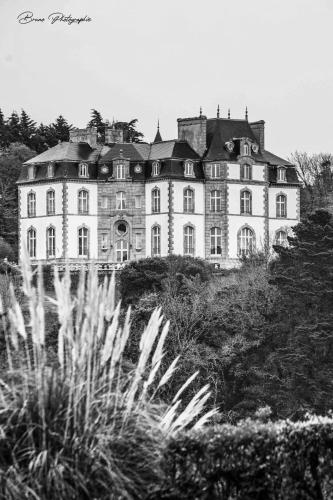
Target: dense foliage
column 252, row 460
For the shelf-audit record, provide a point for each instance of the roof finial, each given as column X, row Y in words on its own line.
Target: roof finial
column 200, row 111
column 158, row 124
column 218, row 111
column 229, row 114
column 246, row 114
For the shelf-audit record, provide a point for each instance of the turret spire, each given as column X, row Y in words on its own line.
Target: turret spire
column 229, row 114
column 218, row 111
column 158, row 137
column 200, row 112
column 246, row 114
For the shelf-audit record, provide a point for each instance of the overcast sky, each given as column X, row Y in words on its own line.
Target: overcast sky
column 151, row 58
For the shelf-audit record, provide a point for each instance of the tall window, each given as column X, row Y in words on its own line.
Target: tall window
column 83, row 202
column 246, row 203
column 83, row 170
column 32, row 204
column 245, row 241
column 246, row 149
column 137, row 201
column 216, row 201
column 246, row 172
column 50, row 170
column 281, row 238
column 120, row 171
column 120, row 200
column 31, row 242
column 83, row 242
column 156, row 168
column 155, row 200
column 188, row 200
column 216, row 241
column 50, row 202
column 281, row 174
column 50, row 242
column 104, row 241
column 216, row 170
column 156, row 240
column 188, row 240
column 189, row 168
column 104, row 202
column 121, row 251
column 281, row 206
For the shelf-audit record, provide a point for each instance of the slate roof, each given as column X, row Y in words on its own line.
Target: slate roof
column 172, row 149
column 275, row 160
column 132, row 150
column 158, row 137
column 67, row 151
column 221, row 130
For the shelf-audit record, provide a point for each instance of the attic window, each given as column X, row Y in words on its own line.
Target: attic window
column 31, row 172
column 83, row 170
column 246, row 150
column 281, row 177
column 156, row 168
column 188, row 171
column 50, row 170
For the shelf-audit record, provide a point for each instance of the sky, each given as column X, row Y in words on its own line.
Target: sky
column 154, row 59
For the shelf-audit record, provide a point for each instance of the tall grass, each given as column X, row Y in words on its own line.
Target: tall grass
column 92, row 426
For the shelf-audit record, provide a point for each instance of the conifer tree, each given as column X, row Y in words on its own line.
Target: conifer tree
column 27, row 128
column 13, row 127
column 97, row 121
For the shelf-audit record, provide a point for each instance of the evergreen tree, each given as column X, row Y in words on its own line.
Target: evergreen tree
column 13, row 127
column 59, row 131
column 97, row 121
column 4, row 136
column 27, row 129
column 129, row 131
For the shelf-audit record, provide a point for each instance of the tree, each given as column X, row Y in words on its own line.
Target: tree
column 130, row 133
column 27, row 129
column 98, row 122
column 58, row 131
column 4, row 135
column 10, row 167
column 13, row 127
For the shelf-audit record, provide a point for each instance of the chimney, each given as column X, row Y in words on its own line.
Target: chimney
column 88, row 135
column 258, row 129
column 113, row 135
column 193, row 130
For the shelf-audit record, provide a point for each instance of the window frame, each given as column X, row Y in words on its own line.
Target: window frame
column 216, row 238
column 244, row 202
column 31, row 204
column 188, row 202
column 281, row 174
column 156, row 200
column 120, row 200
column 120, row 171
column 281, row 213
column 246, row 168
column 50, row 170
column 83, row 241
column 122, row 250
column 83, row 201
column 32, row 254
column 50, row 203
column 246, row 149
column 156, row 168
column 249, row 248
column 188, row 234
column 285, row 241
column 83, row 170
column 214, row 168
column 53, row 239
column 156, row 250
column 31, row 172
column 189, row 168
column 216, row 201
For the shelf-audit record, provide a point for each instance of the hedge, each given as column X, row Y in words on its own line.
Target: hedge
column 252, row 460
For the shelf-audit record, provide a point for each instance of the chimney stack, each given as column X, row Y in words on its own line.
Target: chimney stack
column 258, row 129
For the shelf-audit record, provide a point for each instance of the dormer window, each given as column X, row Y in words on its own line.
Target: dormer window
column 281, row 174
column 246, row 150
column 156, row 168
column 83, row 170
column 216, row 170
column 188, row 171
column 31, row 172
column 120, row 171
column 50, row 170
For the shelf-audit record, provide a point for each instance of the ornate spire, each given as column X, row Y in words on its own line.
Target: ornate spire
column 200, row 112
column 158, row 137
column 246, row 114
column 218, row 111
column 229, row 113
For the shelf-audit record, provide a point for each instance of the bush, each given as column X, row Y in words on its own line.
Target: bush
column 252, row 460
column 89, row 426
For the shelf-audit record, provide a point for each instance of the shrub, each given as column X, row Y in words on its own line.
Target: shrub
column 92, row 426
column 252, row 460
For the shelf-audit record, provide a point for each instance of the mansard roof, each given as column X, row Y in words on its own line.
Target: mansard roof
column 222, row 130
column 275, row 160
column 172, row 149
column 134, row 151
column 68, row 151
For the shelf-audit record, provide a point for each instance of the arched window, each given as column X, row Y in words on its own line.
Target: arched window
column 216, row 241
column 156, row 241
column 281, row 205
column 246, row 172
column 281, row 174
column 246, row 203
column 216, row 201
column 31, row 172
column 188, row 200
column 50, row 202
column 216, row 170
column 120, row 200
column 156, row 168
column 31, row 242
column 31, row 204
column 281, row 238
column 83, row 201
column 50, row 242
column 121, row 251
column 83, row 170
column 188, row 240
column 120, row 171
column 188, row 171
column 245, row 241
column 83, row 242
column 155, row 200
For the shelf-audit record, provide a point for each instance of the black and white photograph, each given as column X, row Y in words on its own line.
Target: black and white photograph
column 166, row 250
